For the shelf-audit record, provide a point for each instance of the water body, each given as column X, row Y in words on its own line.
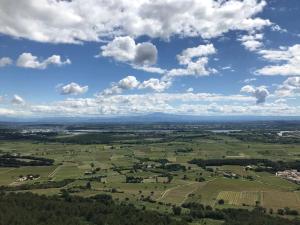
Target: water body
column 224, row 131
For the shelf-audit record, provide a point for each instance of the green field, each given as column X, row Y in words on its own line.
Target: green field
column 108, row 167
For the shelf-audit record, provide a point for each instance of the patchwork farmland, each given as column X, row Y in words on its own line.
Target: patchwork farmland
column 158, row 171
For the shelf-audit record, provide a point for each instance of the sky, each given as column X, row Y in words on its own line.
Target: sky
column 100, row 58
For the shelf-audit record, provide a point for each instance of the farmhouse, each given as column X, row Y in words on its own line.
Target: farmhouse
column 291, row 175
column 28, row 177
column 249, row 167
column 230, row 175
column 22, row 179
column 156, row 179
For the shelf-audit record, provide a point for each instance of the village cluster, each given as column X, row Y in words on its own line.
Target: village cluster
column 28, row 177
column 291, row 175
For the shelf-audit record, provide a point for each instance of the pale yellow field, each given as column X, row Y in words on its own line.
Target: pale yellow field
column 179, row 194
column 277, row 199
column 239, row 198
column 267, row 199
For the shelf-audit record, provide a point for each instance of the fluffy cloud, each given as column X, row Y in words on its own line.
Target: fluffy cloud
column 17, row 100
column 260, row 93
column 146, row 54
column 129, row 82
column 73, row 89
column 190, row 53
column 252, row 42
column 9, row 112
column 178, row 103
column 141, row 56
column 199, row 68
column 190, row 90
column 5, row 61
column 156, row 84
column 195, row 60
column 150, row 69
column 248, row 89
column 90, row 20
column 134, row 104
column 276, row 27
column 142, row 103
column 293, row 81
column 124, row 49
column 287, row 61
column 289, row 88
column 121, row 49
column 27, row 60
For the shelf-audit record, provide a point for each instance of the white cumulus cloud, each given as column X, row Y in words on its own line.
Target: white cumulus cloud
column 155, row 84
column 27, row 60
column 286, row 60
column 195, row 61
column 5, row 61
column 125, row 49
column 260, row 93
column 73, row 89
column 190, row 90
column 90, row 20
column 189, row 54
column 289, row 88
column 252, row 42
column 129, row 82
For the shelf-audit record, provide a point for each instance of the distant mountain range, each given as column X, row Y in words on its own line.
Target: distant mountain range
column 148, row 118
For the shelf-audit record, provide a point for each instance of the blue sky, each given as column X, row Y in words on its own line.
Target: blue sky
column 214, row 57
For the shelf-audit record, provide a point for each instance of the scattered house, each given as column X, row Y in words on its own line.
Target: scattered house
column 291, row 175
column 163, row 179
column 88, row 173
column 155, row 179
column 103, row 180
column 230, row 175
column 150, row 165
column 249, row 167
column 28, row 177
column 22, row 179
column 149, row 180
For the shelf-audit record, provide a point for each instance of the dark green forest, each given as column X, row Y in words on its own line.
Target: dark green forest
column 29, row 209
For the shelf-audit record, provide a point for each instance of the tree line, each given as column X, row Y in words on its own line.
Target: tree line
column 29, row 209
column 261, row 164
column 8, row 160
column 230, row 216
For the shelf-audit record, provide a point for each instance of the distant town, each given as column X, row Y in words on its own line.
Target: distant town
column 291, row 175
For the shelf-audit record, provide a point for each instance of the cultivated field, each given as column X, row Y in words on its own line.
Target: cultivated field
column 155, row 170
